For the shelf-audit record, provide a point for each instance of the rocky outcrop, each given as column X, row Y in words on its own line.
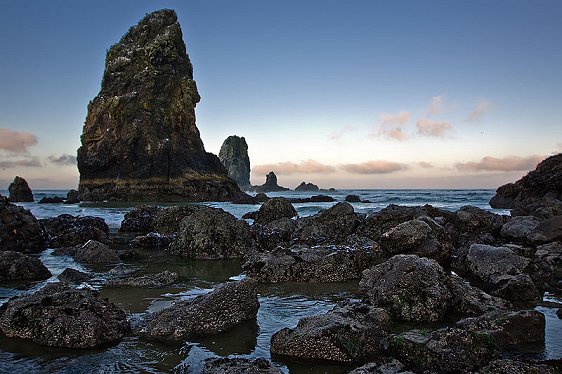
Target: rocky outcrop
column 270, row 184
column 70, row 275
column 274, row 209
column 332, row 226
column 145, row 219
column 18, row 266
column 316, row 264
column 307, row 187
column 220, row 310
column 348, row 333
column 211, row 233
column 391, row 366
column 274, row 234
column 20, row 191
column 547, row 261
column 239, row 365
column 66, row 230
column 140, row 141
column 506, row 366
column 162, row 279
column 19, row 229
column 95, row 253
column 234, row 157
column 539, row 193
column 59, row 316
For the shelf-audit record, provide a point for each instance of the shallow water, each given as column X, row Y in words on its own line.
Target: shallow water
column 282, row 305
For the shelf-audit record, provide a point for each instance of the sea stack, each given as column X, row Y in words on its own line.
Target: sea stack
column 270, row 184
column 20, row 191
column 234, row 157
column 140, row 141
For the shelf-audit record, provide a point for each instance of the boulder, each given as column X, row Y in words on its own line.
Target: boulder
column 518, row 228
column 95, row 253
column 331, row 226
column 218, row 311
column 507, row 366
column 140, row 141
column 392, row 366
column 307, row 187
column 274, row 234
column 353, row 199
column 18, row 266
column 348, row 333
column 539, row 193
column 274, row 209
column 547, row 231
column 20, row 191
column 234, row 157
column 70, row 275
column 66, row 230
column 51, row 200
column 312, row 199
column 146, row 218
column 471, row 223
column 239, row 365
column 270, row 184
column 252, row 200
column 211, row 233
column 72, row 197
column 162, row 279
column 502, row 272
column 153, row 241
column 19, row 229
column 547, row 261
column 303, row 264
column 59, row 316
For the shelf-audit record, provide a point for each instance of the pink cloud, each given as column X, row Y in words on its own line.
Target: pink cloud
column 289, row 167
column 373, row 167
column 426, row 165
column 509, row 163
column 479, row 111
column 432, row 128
column 394, row 119
column 16, row 142
column 436, row 105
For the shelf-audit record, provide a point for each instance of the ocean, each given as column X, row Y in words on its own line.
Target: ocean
column 282, row 305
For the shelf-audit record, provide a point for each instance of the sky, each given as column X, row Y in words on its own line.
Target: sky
column 344, row 94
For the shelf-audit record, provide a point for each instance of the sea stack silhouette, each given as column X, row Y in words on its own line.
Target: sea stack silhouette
column 140, row 141
column 234, row 157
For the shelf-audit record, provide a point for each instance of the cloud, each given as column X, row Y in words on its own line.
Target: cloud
column 479, row 111
column 426, row 165
column 395, row 133
column 16, row 142
column 64, row 159
column 304, row 167
column 436, row 105
column 509, row 163
column 29, row 162
column 432, row 128
column 337, row 135
column 394, row 119
column 373, row 167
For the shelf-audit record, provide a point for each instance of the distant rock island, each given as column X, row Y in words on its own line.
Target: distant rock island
column 307, row 187
column 140, row 141
column 270, row 184
column 20, row 191
column 234, row 157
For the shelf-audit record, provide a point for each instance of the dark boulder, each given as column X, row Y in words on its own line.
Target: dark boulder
column 72, row 197
column 19, row 229
column 307, row 187
column 507, row 366
column 95, row 253
column 391, row 366
column 20, row 191
column 60, row 316
column 220, row 310
column 140, row 141
column 539, row 193
column 274, row 209
column 66, row 230
column 547, row 231
column 270, row 184
column 316, row 264
column 18, row 266
column 331, row 226
column 153, row 241
column 353, row 199
column 470, row 223
column 162, row 279
column 146, row 218
column 140, row 219
column 51, row 200
column 547, row 261
column 312, row 199
column 70, row 275
column 234, row 157
column 518, row 229
column 274, row 234
column 349, row 333
column 239, row 365
column 211, row 233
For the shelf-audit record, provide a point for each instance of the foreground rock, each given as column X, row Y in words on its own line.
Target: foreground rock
column 270, row 184
column 212, row 313
column 539, row 193
column 145, row 219
column 20, row 191
column 148, row 82
column 66, row 230
column 211, row 233
column 18, row 266
column 547, row 260
column 307, row 187
column 96, row 253
column 332, row 226
column 506, row 366
column 304, row 264
column 73, row 276
column 274, row 209
column 162, row 279
column 348, row 333
column 19, row 229
column 234, row 157
column 60, row 316
column 239, row 365
column 393, row 366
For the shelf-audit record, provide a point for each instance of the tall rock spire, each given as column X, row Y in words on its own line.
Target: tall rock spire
column 234, row 157
column 140, row 141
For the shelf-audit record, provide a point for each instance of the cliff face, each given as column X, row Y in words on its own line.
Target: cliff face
column 140, row 141
column 234, row 157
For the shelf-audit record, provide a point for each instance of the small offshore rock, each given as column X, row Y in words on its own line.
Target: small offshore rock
column 220, row 310
column 72, row 197
column 312, row 199
column 19, row 191
column 239, row 365
column 162, row 279
column 18, row 266
column 52, row 200
column 307, row 187
column 96, row 253
column 270, row 184
column 353, row 199
column 19, row 229
column 234, row 157
column 70, row 275
column 59, row 316
column 66, row 230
